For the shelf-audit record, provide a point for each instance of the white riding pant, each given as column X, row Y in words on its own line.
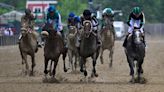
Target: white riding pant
column 94, row 25
column 135, row 23
column 60, row 26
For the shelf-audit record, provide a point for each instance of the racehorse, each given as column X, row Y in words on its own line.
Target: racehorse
column 88, row 47
column 108, row 38
column 135, row 51
column 54, row 47
column 72, row 48
column 28, row 46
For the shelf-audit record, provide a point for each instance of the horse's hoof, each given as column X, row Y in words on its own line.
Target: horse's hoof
column 81, row 70
column 132, row 81
column 46, row 72
column 110, row 65
column 96, row 75
column 50, row 73
column 142, row 71
column 31, row 74
column 65, row 70
column 85, row 73
column 142, row 81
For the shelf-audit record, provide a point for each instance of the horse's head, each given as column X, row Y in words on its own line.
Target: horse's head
column 72, row 31
column 24, row 29
column 87, row 28
column 137, row 36
column 48, row 29
column 108, row 20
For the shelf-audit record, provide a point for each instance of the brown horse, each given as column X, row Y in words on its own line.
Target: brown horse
column 54, row 47
column 28, row 46
column 72, row 48
column 108, row 38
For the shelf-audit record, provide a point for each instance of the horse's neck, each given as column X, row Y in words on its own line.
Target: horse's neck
column 90, row 39
column 106, row 31
column 28, row 39
column 130, row 41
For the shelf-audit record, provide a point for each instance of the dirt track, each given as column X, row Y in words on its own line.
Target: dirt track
column 115, row 79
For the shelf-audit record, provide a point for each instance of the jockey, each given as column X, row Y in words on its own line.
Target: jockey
column 27, row 21
column 73, row 20
column 87, row 16
column 70, row 21
column 136, row 17
column 108, row 12
column 53, row 16
column 77, row 22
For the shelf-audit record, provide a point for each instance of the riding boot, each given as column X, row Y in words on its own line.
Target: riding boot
column 125, row 41
column 98, row 38
column 20, row 37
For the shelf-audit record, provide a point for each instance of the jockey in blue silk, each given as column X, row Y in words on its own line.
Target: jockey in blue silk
column 136, row 19
column 53, row 16
column 73, row 20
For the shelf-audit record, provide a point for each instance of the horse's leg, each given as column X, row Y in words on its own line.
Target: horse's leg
column 54, row 70
column 94, row 65
column 75, row 63
column 131, row 65
column 111, row 57
column 140, row 62
column 64, row 56
column 81, row 64
column 70, row 58
column 27, row 66
column 45, row 66
column 22, row 55
column 101, row 55
column 85, row 71
column 50, row 70
column 24, row 61
column 131, row 62
column 33, row 64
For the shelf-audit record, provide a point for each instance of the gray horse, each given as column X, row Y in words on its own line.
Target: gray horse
column 135, row 51
column 108, row 38
column 54, row 47
column 28, row 46
column 72, row 48
column 88, row 47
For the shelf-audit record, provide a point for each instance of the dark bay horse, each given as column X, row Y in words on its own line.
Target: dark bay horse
column 28, row 46
column 54, row 47
column 135, row 51
column 108, row 38
column 72, row 48
column 88, row 48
